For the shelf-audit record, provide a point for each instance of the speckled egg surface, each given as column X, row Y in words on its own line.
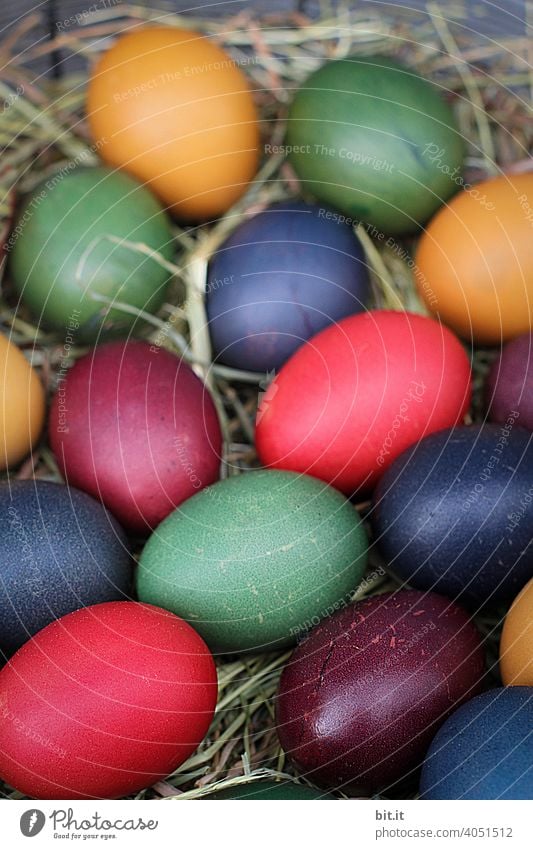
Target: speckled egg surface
column 516, row 644
column 362, row 696
column 255, row 559
column 510, row 383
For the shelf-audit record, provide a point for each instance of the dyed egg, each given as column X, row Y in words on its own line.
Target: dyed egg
column 484, row 750
column 104, row 702
column 509, row 387
column 454, row 514
column 356, row 395
column 475, row 263
column 255, row 560
column 22, row 404
column 132, row 425
column 269, row 790
column 280, row 278
column 75, row 254
column 362, row 696
column 516, row 645
column 176, row 111
column 372, row 138
column 60, row 551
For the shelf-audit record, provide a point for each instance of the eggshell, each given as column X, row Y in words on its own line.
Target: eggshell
column 255, row 560
column 372, row 138
column 516, row 645
column 132, row 425
column 22, row 404
column 76, row 243
column 104, row 702
column 362, row 696
column 454, row 513
column 510, row 383
column 357, row 394
column 266, row 789
column 484, row 750
column 60, row 551
column 282, row 276
column 475, row 263
column 176, row 111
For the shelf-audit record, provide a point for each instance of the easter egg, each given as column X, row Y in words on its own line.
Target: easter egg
column 255, row 560
column 371, row 137
column 77, row 252
column 475, row 264
column 176, row 111
column 22, row 404
column 132, row 425
column 516, row 645
column 60, row 551
column 484, row 750
column 281, row 277
column 454, row 514
column 266, row 789
column 509, row 387
column 357, row 394
column 104, row 702
column 363, row 694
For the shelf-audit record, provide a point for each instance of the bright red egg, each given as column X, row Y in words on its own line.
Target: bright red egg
column 355, row 396
column 103, row 702
column 132, row 425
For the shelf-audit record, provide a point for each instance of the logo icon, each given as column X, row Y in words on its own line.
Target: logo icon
column 32, row 822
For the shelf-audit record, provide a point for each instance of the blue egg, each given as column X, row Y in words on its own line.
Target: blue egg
column 454, row 514
column 60, row 550
column 281, row 277
column 484, row 750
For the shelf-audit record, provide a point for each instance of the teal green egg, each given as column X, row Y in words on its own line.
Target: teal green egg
column 267, row 789
column 375, row 140
column 75, row 241
column 256, row 560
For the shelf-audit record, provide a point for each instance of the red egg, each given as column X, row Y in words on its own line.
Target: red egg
column 350, row 400
column 104, row 702
column 132, row 425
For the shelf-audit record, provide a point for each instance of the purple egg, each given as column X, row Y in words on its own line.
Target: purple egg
column 363, row 695
column 510, row 383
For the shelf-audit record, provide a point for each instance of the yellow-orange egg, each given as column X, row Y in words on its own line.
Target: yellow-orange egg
column 516, row 645
column 22, row 404
column 474, row 264
column 176, row 111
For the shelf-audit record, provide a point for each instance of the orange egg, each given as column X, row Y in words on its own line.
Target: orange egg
column 516, row 645
column 22, row 404
column 176, row 111
column 474, row 265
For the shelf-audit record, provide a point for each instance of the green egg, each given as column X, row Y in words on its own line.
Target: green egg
column 68, row 245
column 267, row 789
column 375, row 140
column 254, row 561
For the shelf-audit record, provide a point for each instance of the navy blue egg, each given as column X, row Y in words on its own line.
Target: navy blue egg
column 484, row 750
column 281, row 277
column 454, row 513
column 60, row 550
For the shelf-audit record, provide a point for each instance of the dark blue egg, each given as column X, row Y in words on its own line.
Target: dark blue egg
column 484, row 750
column 281, row 277
column 60, row 550
column 454, row 513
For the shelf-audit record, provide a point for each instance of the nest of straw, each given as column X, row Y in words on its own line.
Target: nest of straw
column 42, row 129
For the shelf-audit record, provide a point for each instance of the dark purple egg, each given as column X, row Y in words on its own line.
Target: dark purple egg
column 282, row 276
column 363, row 695
column 510, row 383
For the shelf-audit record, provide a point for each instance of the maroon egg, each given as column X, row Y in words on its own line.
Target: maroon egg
column 132, row 425
column 510, row 383
column 363, row 695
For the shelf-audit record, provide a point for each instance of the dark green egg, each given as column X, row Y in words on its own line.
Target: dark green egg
column 374, row 139
column 267, row 789
column 254, row 561
column 69, row 244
